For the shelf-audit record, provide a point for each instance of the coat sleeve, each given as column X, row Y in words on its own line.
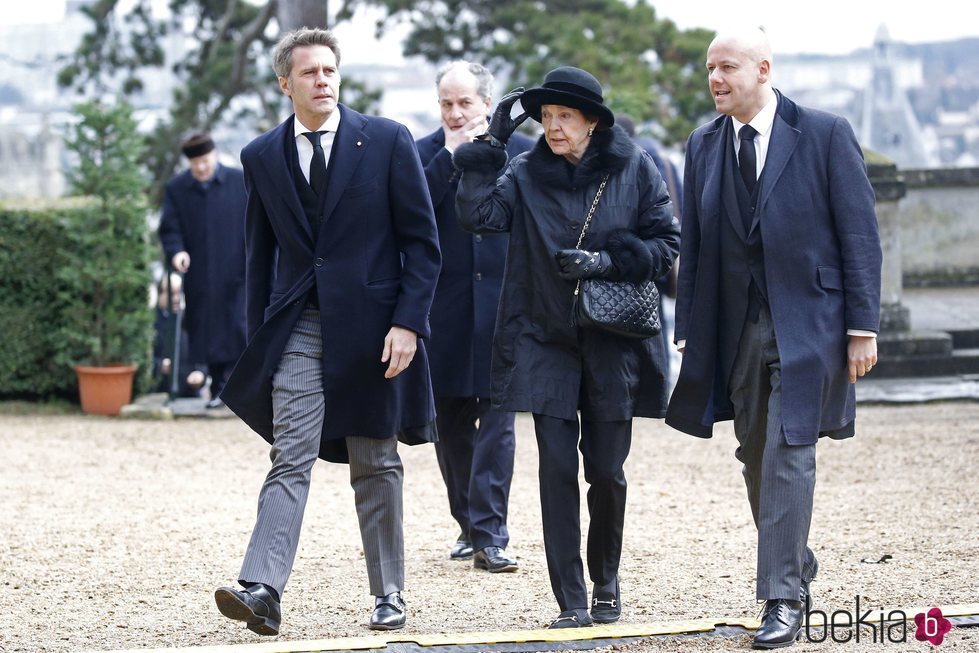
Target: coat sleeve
column 413, row 221
column 171, row 235
column 657, row 227
column 851, row 199
column 439, row 173
column 689, row 245
column 260, row 244
column 485, row 201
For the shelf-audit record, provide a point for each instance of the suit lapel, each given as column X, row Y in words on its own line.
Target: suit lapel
column 349, row 146
column 273, row 160
column 783, row 142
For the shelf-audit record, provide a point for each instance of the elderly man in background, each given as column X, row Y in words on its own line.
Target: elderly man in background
column 202, row 231
column 476, row 442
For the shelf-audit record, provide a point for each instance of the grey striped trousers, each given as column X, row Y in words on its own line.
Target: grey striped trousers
column 780, row 478
column 376, row 476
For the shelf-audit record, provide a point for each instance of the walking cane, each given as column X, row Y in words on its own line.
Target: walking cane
column 176, row 319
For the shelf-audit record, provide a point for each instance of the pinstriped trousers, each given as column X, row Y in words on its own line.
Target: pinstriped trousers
column 376, row 476
column 780, row 478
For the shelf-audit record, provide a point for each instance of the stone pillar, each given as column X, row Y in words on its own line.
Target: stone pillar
column 889, row 188
column 903, row 352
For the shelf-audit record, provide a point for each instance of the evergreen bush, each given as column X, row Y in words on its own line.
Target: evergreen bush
column 76, row 272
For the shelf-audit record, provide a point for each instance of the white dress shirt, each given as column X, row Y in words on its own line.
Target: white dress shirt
column 305, row 147
column 762, row 122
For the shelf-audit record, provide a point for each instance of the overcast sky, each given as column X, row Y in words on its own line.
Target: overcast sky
column 826, row 26
column 832, row 26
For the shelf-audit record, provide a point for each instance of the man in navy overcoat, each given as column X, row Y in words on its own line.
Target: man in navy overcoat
column 342, row 263
column 203, row 236
column 778, row 302
column 476, row 442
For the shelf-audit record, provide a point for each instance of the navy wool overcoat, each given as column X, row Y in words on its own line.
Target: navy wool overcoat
column 209, row 226
column 374, row 266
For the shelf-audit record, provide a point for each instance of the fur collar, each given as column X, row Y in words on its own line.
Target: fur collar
column 608, row 152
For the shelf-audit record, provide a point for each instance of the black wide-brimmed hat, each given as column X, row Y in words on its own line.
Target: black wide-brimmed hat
column 569, row 87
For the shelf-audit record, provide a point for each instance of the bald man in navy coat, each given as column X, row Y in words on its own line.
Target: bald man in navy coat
column 778, row 302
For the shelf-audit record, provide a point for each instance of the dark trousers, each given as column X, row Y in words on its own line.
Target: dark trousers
column 219, row 373
column 780, row 478
column 604, row 447
column 475, row 453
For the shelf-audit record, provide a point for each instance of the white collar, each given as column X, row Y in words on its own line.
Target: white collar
column 763, row 120
column 331, row 125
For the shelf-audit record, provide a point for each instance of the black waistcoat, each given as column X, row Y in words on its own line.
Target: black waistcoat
column 313, row 203
column 747, row 250
column 742, row 258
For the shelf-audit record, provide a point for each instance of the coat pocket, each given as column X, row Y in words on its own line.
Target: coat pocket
column 365, row 188
column 830, row 278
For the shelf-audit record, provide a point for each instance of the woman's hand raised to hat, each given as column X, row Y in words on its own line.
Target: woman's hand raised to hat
column 502, row 125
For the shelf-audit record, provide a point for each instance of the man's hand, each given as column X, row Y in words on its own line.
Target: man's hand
column 465, row 134
column 181, row 262
column 861, row 355
column 399, row 348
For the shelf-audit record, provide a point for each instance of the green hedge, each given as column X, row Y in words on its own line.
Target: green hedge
column 45, row 304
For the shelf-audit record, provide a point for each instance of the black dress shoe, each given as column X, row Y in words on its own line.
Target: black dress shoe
column 781, row 624
column 494, row 560
column 390, row 612
column 606, row 606
column 571, row 619
column 462, row 549
column 255, row 606
column 807, row 577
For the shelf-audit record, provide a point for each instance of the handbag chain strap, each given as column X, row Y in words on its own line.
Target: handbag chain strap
column 584, row 227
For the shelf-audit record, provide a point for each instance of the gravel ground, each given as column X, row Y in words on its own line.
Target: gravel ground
column 116, row 532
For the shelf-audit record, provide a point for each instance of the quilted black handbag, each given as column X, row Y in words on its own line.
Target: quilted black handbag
column 624, row 308
column 621, row 307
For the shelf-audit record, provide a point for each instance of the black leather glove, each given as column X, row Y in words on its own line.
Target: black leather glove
column 579, row 264
column 502, row 125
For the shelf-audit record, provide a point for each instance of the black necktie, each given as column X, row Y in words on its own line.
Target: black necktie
column 317, row 166
column 746, row 157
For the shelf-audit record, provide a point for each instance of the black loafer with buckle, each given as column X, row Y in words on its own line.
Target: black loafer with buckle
column 390, row 612
column 254, row 605
column 571, row 619
column 606, row 605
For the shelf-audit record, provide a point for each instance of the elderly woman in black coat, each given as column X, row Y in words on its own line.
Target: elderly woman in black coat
column 542, row 362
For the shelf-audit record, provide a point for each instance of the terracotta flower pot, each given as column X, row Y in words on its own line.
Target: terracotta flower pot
column 105, row 390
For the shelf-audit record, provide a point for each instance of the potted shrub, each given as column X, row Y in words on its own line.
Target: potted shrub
column 107, row 278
